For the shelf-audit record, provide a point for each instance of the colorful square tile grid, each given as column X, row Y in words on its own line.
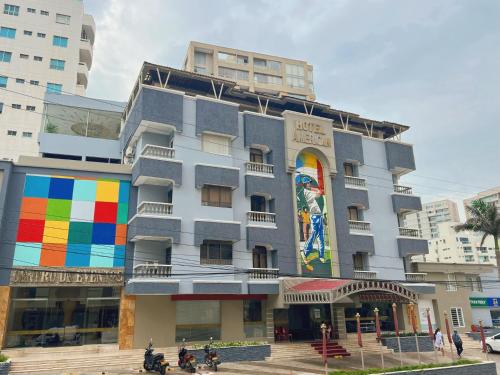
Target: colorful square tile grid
column 72, row 222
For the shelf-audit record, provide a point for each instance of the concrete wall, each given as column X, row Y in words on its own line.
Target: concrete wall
column 232, row 328
column 79, row 146
column 154, row 318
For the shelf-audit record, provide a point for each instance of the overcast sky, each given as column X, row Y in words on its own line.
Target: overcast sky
column 433, row 65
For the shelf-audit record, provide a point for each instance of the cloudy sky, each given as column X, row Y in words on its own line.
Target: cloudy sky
column 434, row 65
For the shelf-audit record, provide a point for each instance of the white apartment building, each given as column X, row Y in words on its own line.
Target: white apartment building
column 252, row 71
column 45, row 46
column 433, row 213
column 490, row 196
column 461, row 247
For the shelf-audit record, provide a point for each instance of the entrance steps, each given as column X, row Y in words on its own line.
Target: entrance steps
column 291, row 351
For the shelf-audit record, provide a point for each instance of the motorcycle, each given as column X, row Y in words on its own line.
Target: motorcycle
column 186, row 361
column 211, row 358
column 154, row 362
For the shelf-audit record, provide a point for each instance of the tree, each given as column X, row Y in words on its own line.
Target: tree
column 483, row 218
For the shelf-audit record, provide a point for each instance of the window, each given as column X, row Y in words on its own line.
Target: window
column 457, row 317
column 37, row 58
column 31, row 10
column 1, row 107
column 197, row 319
column 5, row 56
column 266, row 78
column 451, row 285
column 256, row 156
column 474, row 283
column 28, row 32
column 60, row 41
column 19, row 80
column 34, row 83
column 358, row 261
column 7, row 32
column 24, row 56
column 54, row 88
column 348, row 169
column 12, row 133
column 27, row 134
column 294, row 70
column 16, row 106
column 295, row 82
column 200, row 58
column 30, row 108
column 40, row 35
column 44, row 13
column 260, row 63
column 216, row 144
column 352, row 213
column 57, row 64
column 62, row 18
column 274, row 65
column 216, row 252
column 11, row 10
column 259, row 257
column 252, row 310
column 469, row 258
column 3, row 81
column 257, row 203
column 216, row 196
column 235, row 74
column 227, row 57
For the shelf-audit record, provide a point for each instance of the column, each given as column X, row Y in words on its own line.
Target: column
column 338, row 319
column 127, row 321
column 4, row 312
column 269, row 324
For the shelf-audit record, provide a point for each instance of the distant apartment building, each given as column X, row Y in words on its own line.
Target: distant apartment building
column 490, row 196
column 44, row 47
column 461, row 247
column 252, row 71
column 431, row 215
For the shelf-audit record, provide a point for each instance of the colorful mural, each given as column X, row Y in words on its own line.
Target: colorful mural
column 312, row 216
column 72, row 222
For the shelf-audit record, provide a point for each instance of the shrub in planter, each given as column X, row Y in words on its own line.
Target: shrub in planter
column 4, row 364
column 235, row 351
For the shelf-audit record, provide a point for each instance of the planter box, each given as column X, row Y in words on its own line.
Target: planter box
column 408, row 343
column 4, row 367
column 237, row 353
column 485, row 368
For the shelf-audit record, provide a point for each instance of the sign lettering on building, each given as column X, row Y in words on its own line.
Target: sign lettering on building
column 484, row 301
column 310, row 133
column 66, row 277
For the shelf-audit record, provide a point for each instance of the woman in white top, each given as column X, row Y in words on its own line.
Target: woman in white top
column 438, row 341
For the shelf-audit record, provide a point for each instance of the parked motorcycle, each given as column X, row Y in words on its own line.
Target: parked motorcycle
column 211, row 358
column 154, row 362
column 186, row 361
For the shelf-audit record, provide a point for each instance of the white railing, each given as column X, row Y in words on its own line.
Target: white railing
column 415, row 276
column 159, row 152
column 153, row 270
column 359, row 226
column 263, row 273
column 409, row 232
column 403, row 189
column 355, row 181
column 365, row 275
column 261, row 217
column 155, row 208
column 260, row 168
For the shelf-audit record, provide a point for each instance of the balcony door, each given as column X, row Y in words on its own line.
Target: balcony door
column 257, row 203
column 259, row 255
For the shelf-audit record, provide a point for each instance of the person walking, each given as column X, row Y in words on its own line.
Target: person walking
column 457, row 340
column 438, row 341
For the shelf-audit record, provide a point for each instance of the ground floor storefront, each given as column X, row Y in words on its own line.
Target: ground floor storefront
column 486, row 309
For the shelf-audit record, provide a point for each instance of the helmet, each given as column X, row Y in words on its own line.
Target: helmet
column 306, row 180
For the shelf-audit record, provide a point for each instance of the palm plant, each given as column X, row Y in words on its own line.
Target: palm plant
column 483, row 218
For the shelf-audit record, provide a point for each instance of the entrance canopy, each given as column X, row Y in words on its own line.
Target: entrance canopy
column 307, row 291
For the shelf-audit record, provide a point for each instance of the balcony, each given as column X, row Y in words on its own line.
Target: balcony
column 409, row 232
column 88, row 27
column 152, row 270
column 403, row 200
column 400, row 189
column 158, row 152
column 155, row 208
column 86, row 52
column 82, row 74
column 415, row 276
column 263, row 273
column 354, row 182
column 365, row 275
column 260, row 169
column 267, row 219
column 359, row 227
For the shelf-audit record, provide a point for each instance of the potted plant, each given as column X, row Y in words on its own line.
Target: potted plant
column 4, row 364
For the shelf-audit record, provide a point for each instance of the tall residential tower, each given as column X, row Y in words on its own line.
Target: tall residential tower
column 44, row 47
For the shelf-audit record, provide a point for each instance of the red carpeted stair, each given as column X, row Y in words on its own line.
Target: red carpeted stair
column 333, row 349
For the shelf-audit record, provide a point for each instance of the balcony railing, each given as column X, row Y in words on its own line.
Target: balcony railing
column 400, row 189
column 155, row 208
column 261, row 217
column 359, row 226
column 159, row 152
column 415, row 276
column 263, row 273
column 409, row 232
column 355, row 181
column 153, row 270
column 260, row 168
column 365, row 275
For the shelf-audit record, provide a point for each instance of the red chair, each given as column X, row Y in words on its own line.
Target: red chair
column 285, row 334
